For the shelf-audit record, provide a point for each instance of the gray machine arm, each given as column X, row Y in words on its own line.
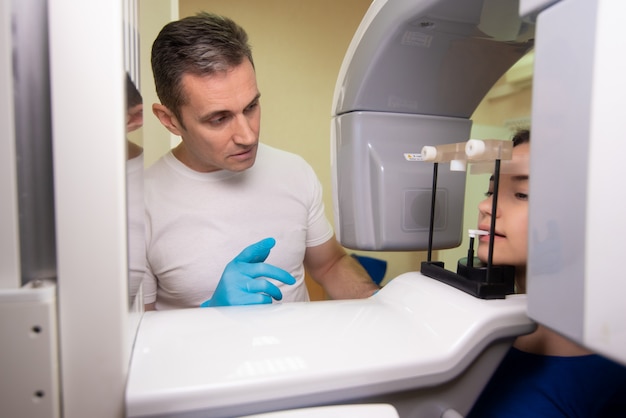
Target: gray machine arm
column 413, row 75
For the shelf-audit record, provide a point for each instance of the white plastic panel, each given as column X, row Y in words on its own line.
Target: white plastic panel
column 224, row 362
column 335, row 411
column 576, row 215
column 605, row 328
column 87, row 79
column 29, row 386
column 9, row 241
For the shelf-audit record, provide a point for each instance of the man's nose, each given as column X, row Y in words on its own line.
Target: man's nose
column 244, row 133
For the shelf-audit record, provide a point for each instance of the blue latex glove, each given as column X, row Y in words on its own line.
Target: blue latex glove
column 243, row 280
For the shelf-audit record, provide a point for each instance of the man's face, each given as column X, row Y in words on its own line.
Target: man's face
column 220, row 120
column 511, row 228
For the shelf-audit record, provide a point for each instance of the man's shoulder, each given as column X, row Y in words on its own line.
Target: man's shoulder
column 156, row 168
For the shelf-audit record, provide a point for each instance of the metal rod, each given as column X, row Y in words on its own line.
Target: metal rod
column 432, row 212
column 470, row 253
column 492, row 228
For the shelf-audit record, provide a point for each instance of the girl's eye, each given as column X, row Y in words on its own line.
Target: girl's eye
column 521, row 196
column 488, row 193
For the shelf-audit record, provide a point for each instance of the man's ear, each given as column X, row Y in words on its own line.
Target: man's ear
column 167, row 118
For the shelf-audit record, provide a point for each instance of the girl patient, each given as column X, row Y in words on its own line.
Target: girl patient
column 543, row 374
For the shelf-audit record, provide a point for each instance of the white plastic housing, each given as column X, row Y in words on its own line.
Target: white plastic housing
column 416, row 335
column 577, row 223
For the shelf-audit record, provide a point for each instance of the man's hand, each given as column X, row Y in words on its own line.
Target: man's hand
column 244, row 279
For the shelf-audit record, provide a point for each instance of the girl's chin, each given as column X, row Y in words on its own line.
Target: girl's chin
column 495, row 261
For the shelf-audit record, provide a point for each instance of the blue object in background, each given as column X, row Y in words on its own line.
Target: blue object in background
column 375, row 267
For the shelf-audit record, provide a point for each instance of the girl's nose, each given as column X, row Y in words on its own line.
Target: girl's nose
column 485, row 206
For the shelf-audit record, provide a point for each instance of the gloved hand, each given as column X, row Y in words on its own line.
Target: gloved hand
column 243, row 280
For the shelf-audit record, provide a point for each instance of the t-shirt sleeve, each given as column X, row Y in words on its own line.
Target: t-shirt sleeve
column 149, row 287
column 319, row 228
column 149, row 282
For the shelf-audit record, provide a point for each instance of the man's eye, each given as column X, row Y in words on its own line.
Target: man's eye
column 521, row 196
column 218, row 120
column 252, row 107
column 488, row 193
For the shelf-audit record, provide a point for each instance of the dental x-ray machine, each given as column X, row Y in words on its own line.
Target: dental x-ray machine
column 412, row 77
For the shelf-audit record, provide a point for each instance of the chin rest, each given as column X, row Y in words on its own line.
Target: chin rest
column 418, row 344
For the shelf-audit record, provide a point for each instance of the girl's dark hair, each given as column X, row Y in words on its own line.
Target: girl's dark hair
column 521, row 137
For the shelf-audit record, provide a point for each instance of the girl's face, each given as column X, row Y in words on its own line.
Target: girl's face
column 511, row 227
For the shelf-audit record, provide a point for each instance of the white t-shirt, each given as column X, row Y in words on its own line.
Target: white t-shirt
column 197, row 223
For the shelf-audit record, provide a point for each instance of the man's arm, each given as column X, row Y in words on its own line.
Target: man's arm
column 341, row 276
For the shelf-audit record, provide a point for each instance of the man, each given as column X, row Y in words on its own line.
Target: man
column 220, row 189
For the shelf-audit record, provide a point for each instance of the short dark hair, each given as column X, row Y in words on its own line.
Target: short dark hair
column 522, row 136
column 203, row 44
column 133, row 97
